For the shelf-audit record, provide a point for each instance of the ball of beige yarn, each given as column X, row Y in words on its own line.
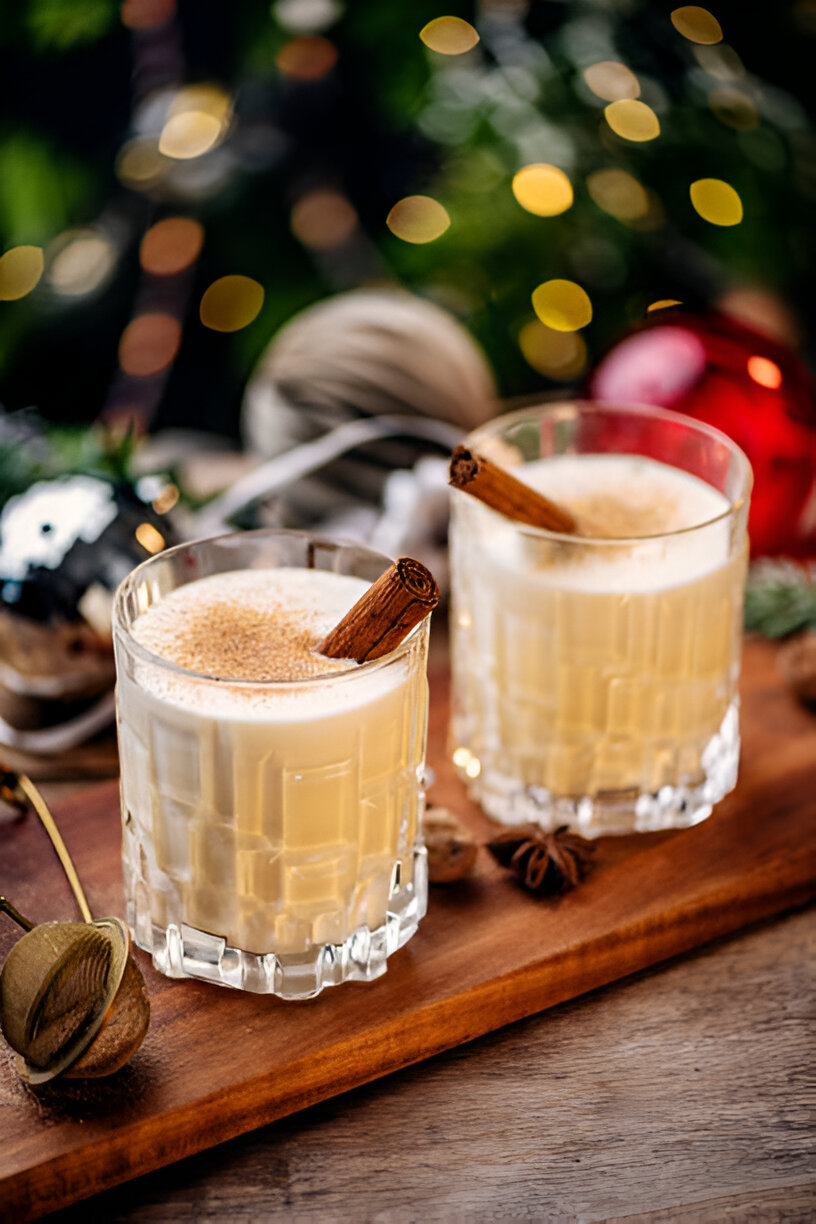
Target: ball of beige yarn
column 369, row 352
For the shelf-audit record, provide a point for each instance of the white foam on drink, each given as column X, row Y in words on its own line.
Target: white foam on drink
column 627, row 496
column 258, row 629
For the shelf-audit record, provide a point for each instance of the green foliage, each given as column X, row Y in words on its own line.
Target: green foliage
column 60, row 25
column 32, row 451
column 417, row 122
column 780, row 598
column 41, row 190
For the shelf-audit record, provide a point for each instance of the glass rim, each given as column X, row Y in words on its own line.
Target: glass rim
column 125, row 632
column 567, row 409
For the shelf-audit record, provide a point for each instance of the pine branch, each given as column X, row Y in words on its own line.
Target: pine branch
column 780, row 598
column 32, row 450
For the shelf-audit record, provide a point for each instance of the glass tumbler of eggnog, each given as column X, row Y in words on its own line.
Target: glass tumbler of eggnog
column 595, row 674
column 271, row 797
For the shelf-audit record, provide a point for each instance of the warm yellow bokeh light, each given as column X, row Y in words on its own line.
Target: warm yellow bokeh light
column 632, row 120
column 618, row 193
column 150, row 538
column 449, row 35
column 557, row 354
column 765, row 372
column 562, row 305
column 697, row 25
column 663, row 304
column 612, row 81
column 149, row 344
column 189, row 135
column 418, row 219
column 20, row 270
column 197, row 120
column 167, row 499
column 79, row 261
column 307, row 57
column 230, row 303
column 323, row 219
column 171, row 245
column 205, row 98
column 140, row 164
column 716, row 201
column 733, row 109
column 542, row 189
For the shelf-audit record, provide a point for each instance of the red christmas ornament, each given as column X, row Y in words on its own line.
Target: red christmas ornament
column 752, row 388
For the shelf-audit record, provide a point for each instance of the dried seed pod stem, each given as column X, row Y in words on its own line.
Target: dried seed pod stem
column 7, row 908
column 36, row 801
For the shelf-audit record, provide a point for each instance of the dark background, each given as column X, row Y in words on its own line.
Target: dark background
column 70, row 73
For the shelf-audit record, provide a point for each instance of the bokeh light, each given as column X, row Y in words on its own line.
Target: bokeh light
column 145, row 14
column 307, row 58
column 80, row 261
column 697, row 24
column 150, row 538
column 765, row 372
column 449, row 35
column 189, row 135
column 148, row 344
column 632, row 120
column 418, row 219
column 305, row 16
column 562, row 305
column 197, row 120
column 20, row 270
column 140, row 165
column 171, row 245
column 733, row 109
column 542, row 189
column 663, row 304
column 716, row 201
column 167, row 498
column 721, row 62
column 763, row 310
column 230, row 303
column 561, row 355
column 612, row 81
column 323, row 219
column 618, row 193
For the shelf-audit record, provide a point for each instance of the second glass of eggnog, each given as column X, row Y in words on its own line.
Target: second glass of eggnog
column 595, row 674
column 271, row 797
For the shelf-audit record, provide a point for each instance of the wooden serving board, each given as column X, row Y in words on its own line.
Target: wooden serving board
column 216, row 1063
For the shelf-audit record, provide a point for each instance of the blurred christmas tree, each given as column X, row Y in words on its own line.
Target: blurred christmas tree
column 177, row 177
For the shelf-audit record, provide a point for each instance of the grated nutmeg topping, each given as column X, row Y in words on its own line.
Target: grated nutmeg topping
column 248, row 633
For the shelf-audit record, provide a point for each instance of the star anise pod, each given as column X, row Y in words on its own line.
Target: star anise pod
column 547, row 863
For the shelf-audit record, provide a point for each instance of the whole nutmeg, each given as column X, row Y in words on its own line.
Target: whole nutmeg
column 451, row 847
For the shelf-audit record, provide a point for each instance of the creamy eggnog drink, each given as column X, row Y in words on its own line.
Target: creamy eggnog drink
column 271, row 796
column 595, row 672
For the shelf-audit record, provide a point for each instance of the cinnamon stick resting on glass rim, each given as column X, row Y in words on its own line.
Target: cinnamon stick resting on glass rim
column 385, row 615
column 503, row 492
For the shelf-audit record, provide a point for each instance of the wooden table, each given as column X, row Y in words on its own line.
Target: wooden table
column 686, row 1093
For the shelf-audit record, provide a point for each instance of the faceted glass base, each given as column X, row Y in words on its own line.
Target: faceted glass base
column 510, row 802
column 182, row 951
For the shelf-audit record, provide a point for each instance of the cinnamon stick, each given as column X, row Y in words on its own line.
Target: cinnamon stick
column 497, row 488
column 385, row 615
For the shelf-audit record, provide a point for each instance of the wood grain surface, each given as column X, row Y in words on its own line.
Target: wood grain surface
column 217, row 1062
column 684, row 1095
